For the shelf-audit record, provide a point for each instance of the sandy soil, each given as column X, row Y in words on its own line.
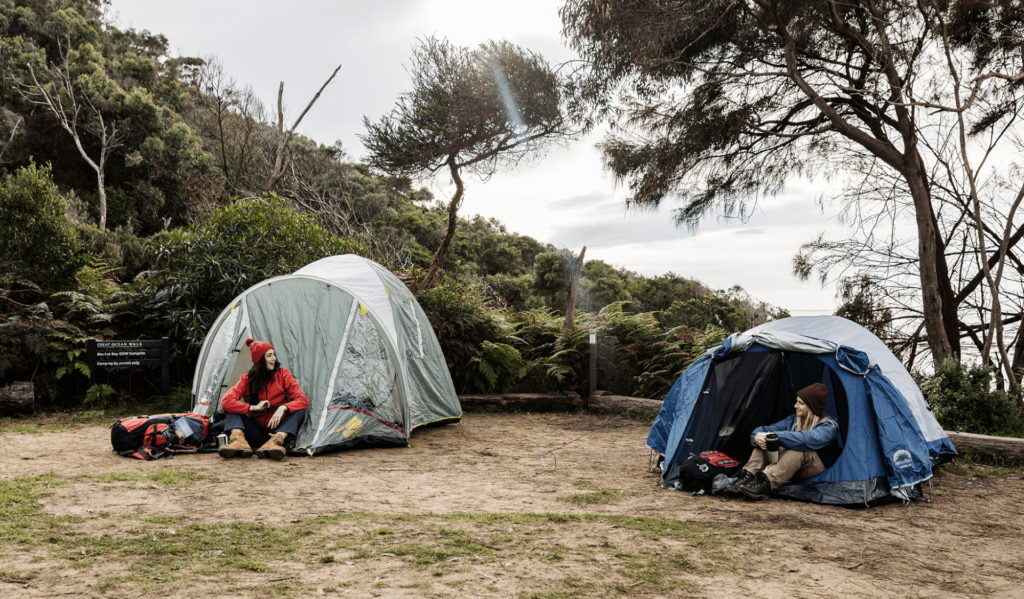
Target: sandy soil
column 965, row 542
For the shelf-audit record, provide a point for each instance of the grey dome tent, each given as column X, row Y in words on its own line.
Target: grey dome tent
column 358, row 343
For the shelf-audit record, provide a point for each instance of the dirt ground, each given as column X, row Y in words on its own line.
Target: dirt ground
column 965, row 542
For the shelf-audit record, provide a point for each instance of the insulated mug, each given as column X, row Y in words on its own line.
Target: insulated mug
column 222, row 440
column 771, row 443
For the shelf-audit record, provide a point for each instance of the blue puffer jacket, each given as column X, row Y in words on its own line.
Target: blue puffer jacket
column 824, row 434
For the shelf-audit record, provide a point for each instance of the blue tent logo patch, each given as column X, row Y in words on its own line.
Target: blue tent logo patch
column 902, row 459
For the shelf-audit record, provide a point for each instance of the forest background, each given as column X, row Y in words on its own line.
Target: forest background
column 171, row 200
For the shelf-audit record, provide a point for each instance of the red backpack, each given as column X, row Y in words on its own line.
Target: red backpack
column 152, row 437
column 697, row 474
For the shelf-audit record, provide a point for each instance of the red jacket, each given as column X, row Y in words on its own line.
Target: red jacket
column 282, row 385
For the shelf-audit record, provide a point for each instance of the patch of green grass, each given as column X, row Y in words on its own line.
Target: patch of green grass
column 164, row 475
column 992, row 473
column 108, row 583
column 42, row 423
column 954, row 469
column 363, row 554
column 161, row 552
column 987, row 459
column 657, row 569
column 592, row 494
column 556, row 554
column 21, row 425
column 13, row 575
column 450, row 532
column 19, row 510
column 559, row 594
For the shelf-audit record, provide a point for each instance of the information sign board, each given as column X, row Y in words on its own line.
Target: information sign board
column 131, row 352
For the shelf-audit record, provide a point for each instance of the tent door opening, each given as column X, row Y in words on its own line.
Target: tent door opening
column 752, row 389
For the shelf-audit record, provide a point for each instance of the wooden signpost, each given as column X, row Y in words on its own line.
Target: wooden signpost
column 139, row 352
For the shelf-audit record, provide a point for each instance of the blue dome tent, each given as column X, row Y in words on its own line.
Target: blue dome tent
column 890, row 440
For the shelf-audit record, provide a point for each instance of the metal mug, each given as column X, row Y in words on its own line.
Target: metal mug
column 222, row 440
column 771, row 444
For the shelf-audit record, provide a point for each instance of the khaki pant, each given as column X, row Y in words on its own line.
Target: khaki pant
column 792, row 465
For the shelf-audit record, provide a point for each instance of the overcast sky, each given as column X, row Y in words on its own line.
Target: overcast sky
column 564, row 199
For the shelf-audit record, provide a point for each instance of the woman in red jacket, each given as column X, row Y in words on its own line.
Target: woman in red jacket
column 263, row 408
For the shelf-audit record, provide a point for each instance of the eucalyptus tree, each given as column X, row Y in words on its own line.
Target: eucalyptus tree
column 78, row 103
column 724, row 101
column 475, row 111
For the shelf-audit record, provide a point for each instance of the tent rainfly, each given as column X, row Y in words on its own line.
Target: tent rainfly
column 890, row 440
column 358, row 343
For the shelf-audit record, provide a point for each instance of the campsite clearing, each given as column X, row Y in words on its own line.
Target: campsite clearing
column 471, row 512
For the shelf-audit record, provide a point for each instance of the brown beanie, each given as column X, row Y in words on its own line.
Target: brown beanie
column 815, row 396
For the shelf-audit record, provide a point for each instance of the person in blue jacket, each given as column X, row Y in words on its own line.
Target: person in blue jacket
column 808, row 445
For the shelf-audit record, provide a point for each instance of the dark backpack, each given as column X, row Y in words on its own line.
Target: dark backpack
column 697, row 474
column 152, row 437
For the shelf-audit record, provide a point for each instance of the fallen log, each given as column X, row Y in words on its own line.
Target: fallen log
column 621, row 403
column 524, row 402
column 1004, row 447
column 19, row 398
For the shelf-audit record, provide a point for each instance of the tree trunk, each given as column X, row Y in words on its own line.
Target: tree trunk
column 103, row 199
column 620, row 403
column 1018, row 361
column 1004, row 447
column 18, row 398
column 575, row 268
column 453, row 221
column 928, row 247
column 950, row 318
column 525, row 402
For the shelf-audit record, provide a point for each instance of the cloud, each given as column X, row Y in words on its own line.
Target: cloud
column 605, row 234
column 584, row 202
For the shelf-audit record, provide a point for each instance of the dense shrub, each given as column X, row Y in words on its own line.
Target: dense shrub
column 710, row 311
column 963, row 398
column 467, row 333
column 602, row 284
column 510, row 292
column 37, row 242
column 197, row 270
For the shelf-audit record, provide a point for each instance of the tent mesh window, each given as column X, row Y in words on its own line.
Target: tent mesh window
column 366, row 380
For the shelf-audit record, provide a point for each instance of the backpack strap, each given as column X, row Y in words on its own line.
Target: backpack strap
column 145, row 453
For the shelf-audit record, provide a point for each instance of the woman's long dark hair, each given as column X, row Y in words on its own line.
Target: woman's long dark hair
column 259, row 377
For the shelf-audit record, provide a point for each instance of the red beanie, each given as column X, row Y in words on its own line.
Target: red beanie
column 815, row 396
column 257, row 349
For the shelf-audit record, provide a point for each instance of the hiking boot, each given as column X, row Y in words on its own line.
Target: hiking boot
column 274, row 448
column 237, row 448
column 733, row 490
column 759, row 488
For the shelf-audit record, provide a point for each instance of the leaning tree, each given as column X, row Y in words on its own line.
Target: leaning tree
column 721, row 102
column 473, row 111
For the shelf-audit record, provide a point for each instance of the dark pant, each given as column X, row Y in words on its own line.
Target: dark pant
column 254, row 435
